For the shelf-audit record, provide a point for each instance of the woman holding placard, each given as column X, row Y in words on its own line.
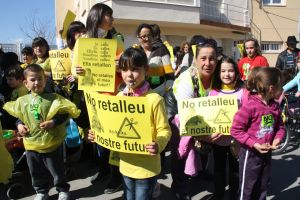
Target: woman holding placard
column 99, row 24
column 192, row 83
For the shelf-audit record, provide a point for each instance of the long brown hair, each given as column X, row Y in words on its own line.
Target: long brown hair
column 95, row 17
column 256, row 45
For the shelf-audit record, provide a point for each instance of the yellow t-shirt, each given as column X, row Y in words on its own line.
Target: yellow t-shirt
column 145, row 166
column 18, row 92
column 45, row 64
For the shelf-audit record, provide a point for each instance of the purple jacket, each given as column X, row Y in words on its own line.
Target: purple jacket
column 256, row 122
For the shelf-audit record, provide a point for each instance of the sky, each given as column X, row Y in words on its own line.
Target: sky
column 17, row 13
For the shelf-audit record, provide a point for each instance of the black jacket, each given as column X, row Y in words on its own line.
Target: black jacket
column 281, row 62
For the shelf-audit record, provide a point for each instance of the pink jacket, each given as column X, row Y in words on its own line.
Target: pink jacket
column 186, row 151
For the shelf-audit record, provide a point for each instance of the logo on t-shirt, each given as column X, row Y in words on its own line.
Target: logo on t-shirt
column 246, row 70
column 266, row 125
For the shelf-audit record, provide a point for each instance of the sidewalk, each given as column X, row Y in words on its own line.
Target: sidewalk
column 284, row 182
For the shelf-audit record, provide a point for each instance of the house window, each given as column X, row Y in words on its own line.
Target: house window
column 272, row 47
column 274, row 2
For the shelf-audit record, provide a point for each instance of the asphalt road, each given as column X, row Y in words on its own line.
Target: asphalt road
column 285, row 182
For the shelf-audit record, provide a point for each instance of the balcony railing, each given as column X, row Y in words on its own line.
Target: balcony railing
column 217, row 11
column 212, row 10
column 176, row 2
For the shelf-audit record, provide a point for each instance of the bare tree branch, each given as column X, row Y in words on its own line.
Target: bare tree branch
column 37, row 27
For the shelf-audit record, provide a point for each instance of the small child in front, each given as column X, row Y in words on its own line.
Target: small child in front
column 42, row 124
column 140, row 171
column 258, row 127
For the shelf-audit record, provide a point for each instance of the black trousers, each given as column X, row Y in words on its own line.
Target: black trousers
column 42, row 165
column 221, row 155
column 255, row 172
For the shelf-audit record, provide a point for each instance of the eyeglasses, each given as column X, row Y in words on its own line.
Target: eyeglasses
column 143, row 37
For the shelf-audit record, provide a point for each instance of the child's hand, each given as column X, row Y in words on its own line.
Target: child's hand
column 47, row 125
column 80, row 70
column 262, row 148
column 152, row 148
column 297, row 94
column 275, row 144
column 90, row 135
column 23, row 130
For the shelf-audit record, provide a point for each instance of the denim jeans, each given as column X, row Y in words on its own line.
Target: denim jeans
column 138, row 189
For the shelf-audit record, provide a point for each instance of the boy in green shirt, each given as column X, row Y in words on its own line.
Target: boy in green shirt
column 14, row 77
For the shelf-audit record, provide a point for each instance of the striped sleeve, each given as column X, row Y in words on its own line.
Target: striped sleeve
column 166, row 61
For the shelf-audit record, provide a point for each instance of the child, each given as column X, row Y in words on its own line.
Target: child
column 14, row 77
column 140, row 171
column 27, row 55
column 258, row 127
column 227, row 81
column 42, row 124
column 41, row 49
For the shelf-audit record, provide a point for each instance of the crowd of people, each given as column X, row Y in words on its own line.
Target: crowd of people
column 145, row 69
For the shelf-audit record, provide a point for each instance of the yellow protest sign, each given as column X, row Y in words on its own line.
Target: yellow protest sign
column 170, row 49
column 60, row 62
column 97, row 57
column 120, row 123
column 240, row 48
column 194, row 50
column 207, row 115
column 69, row 18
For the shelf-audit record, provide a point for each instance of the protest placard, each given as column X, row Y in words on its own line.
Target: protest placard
column 207, row 115
column 194, row 48
column 97, row 57
column 60, row 62
column 120, row 123
column 69, row 18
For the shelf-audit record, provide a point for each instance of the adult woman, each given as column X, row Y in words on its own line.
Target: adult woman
column 192, row 83
column 184, row 47
column 99, row 24
column 160, row 68
column 189, row 56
